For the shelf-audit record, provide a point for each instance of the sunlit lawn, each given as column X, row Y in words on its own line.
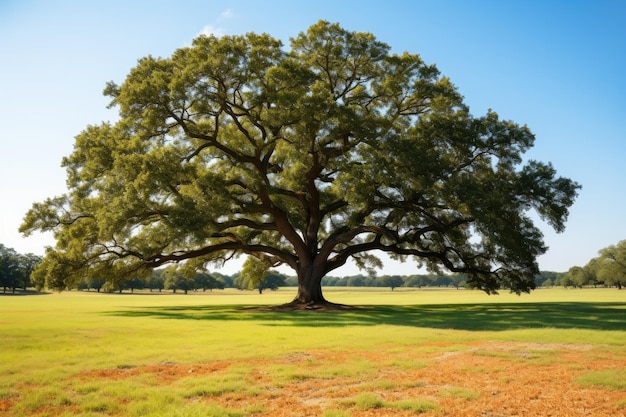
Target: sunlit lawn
column 52, row 346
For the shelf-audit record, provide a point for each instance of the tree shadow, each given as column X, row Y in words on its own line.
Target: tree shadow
column 477, row 317
column 21, row 292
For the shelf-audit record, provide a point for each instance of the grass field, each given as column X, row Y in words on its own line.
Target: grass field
column 408, row 352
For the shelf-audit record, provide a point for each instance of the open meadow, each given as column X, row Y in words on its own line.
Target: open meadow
column 554, row 352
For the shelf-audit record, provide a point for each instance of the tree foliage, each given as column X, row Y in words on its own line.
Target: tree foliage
column 329, row 151
column 393, row 281
column 608, row 269
column 611, row 265
column 206, row 281
column 255, row 275
column 166, row 278
column 16, row 269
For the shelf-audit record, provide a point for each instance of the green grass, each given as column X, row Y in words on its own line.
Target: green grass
column 48, row 341
column 614, row 379
column 457, row 392
column 369, row 401
column 416, row 406
column 366, row 401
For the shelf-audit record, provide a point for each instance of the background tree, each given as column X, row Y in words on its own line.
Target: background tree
column 292, row 281
column 356, row 281
column 136, row 283
column 306, row 157
column 610, row 266
column 273, row 280
column 82, row 285
column 16, row 269
column 251, row 275
column 457, row 280
column 418, row 281
column 9, row 269
column 97, row 283
column 27, row 264
column 254, row 275
column 226, row 280
column 579, row 277
column 547, row 278
column 392, row 281
column 442, row 281
column 329, row 281
column 175, row 281
column 207, row 281
column 156, row 281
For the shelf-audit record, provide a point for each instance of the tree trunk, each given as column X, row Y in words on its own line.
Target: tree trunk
column 310, row 295
column 309, row 287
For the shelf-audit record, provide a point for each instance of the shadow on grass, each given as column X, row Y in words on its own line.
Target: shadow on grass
column 22, row 292
column 479, row 317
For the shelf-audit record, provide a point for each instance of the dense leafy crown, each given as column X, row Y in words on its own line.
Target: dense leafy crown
column 307, row 157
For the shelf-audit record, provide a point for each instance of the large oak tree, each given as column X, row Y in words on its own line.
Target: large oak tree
column 308, row 157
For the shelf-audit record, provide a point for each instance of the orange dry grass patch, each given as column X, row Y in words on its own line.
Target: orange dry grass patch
column 483, row 379
column 5, row 405
column 164, row 373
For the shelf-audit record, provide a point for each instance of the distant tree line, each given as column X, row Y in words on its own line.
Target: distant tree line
column 606, row 270
column 15, row 269
column 543, row 279
column 391, row 281
column 170, row 279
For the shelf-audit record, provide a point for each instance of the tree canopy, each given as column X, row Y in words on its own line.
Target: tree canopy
column 610, row 266
column 16, row 269
column 609, row 269
column 307, row 157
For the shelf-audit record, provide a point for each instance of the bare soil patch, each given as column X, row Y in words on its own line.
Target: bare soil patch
column 491, row 379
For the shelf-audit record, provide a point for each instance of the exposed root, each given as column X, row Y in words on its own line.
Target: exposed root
column 296, row 305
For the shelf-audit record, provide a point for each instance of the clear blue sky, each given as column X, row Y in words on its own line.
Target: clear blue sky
column 557, row 66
